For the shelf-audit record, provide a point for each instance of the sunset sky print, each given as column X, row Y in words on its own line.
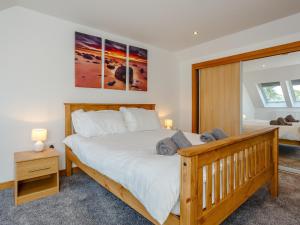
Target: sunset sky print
column 138, row 54
column 115, row 49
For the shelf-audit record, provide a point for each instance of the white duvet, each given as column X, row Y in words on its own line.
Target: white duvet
column 285, row 132
column 131, row 160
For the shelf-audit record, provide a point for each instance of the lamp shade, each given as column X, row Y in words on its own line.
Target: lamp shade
column 39, row 134
column 168, row 123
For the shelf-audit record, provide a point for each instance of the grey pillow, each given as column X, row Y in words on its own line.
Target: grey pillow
column 219, row 134
column 180, row 140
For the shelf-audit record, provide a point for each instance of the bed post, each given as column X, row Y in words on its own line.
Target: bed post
column 274, row 182
column 188, row 191
column 68, row 131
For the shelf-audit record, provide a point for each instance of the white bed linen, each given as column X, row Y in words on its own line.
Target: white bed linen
column 285, row 132
column 131, row 160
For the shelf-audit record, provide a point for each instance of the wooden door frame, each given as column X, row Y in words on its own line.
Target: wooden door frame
column 257, row 54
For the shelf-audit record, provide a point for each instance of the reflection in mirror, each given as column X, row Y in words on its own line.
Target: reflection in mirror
column 271, row 97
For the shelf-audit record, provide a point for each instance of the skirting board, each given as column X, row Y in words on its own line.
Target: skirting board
column 289, row 170
column 10, row 184
column 6, row 185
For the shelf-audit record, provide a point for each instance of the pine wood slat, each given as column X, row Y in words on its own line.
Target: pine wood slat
column 217, row 182
column 224, row 178
column 208, row 187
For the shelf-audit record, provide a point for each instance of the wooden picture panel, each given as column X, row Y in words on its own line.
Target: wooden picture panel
column 88, row 61
column 138, row 72
column 115, row 68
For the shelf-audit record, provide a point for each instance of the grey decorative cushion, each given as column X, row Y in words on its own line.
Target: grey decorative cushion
column 180, row 140
column 166, row 147
column 207, row 137
column 219, row 134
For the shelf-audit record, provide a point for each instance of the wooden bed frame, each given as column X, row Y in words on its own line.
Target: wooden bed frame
column 252, row 161
column 289, row 142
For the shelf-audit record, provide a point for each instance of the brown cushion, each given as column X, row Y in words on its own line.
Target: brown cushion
column 274, row 122
column 283, row 122
column 290, row 118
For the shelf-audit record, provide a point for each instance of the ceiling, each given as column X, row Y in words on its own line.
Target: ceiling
column 168, row 24
column 272, row 62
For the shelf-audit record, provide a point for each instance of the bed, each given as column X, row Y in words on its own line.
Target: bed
column 212, row 179
column 287, row 134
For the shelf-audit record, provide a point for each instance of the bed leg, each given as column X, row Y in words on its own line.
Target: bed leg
column 68, row 165
column 273, row 188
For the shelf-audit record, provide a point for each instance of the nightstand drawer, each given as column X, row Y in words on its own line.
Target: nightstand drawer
column 36, row 168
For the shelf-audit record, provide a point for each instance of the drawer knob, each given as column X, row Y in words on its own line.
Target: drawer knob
column 36, row 170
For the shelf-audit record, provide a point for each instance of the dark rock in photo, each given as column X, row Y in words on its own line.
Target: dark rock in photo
column 111, row 67
column 120, row 73
column 111, row 83
column 88, row 56
column 130, row 75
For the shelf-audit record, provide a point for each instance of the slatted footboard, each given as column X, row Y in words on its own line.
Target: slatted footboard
column 216, row 178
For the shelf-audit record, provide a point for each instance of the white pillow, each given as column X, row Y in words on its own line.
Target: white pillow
column 138, row 119
column 96, row 123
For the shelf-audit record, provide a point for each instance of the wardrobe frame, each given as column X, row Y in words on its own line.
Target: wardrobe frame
column 257, row 54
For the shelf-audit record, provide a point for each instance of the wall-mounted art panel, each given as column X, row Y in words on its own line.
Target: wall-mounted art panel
column 88, row 61
column 138, row 74
column 115, row 65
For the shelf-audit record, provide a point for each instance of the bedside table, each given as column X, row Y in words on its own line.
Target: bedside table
column 36, row 175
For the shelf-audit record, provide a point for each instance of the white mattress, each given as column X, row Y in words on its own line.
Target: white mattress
column 285, row 132
column 131, row 160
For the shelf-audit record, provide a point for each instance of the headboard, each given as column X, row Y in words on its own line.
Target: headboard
column 71, row 107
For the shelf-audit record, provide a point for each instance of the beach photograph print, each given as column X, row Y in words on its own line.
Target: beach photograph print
column 88, row 52
column 138, row 69
column 115, row 65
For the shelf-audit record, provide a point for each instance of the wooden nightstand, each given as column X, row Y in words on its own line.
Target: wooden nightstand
column 36, row 175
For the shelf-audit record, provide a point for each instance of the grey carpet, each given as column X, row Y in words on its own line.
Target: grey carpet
column 289, row 156
column 83, row 201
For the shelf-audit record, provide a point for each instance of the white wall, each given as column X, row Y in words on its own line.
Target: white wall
column 248, row 108
column 274, row 33
column 271, row 114
column 37, row 77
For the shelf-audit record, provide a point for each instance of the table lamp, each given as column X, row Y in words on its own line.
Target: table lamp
column 168, row 124
column 39, row 135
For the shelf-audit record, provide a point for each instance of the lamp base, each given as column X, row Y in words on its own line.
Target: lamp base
column 38, row 146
